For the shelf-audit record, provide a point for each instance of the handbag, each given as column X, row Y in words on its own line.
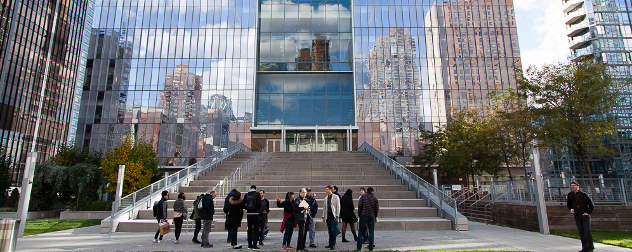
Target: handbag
column 354, row 219
column 177, row 215
column 164, row 227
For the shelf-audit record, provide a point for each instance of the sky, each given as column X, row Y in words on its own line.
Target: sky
column 534, row 33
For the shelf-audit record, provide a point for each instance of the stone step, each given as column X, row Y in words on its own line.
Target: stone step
column 380, row 195
column 322, row 183
column 379, row 172
column 277, row 213
column 384, row 224
column 311, row 177
column 383, row 202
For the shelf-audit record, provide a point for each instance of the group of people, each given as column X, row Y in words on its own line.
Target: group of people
column 298, row 212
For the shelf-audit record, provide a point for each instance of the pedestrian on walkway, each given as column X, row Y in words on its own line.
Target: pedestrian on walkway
column 336, row 224
column 180, row 212
column 289, row 220
column 252, row 202
column 196, row 215
column 580, row 204
column 300, row 210
column 208, row 210
column 368, row 208
column 160, row 212
column 331, row 213
column 225, row 209
column 263, row 216
column 347, row 215
column 235, row 215
column 313, row 210
column 365, row 234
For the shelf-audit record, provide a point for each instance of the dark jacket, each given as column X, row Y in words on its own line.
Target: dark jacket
column 180, row 207
column 253, row 192
column 298, row 211
column 208, row 207
column 313, row 206
column 336, row 193
column 368, row 206
column 235, row 212
column 288, row 207
column 230, row 194
column 197, row 213
column 162, row 214
column 580, row 202
column 265, row 206
column 346, row 207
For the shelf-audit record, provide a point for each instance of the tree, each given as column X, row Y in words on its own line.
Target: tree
column 56, row 186
column 141, row 164
column 572, row 105
column 70, row 154
column 5, row 175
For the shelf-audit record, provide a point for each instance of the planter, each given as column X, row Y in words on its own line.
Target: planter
column 32, row 215
column 74, row 215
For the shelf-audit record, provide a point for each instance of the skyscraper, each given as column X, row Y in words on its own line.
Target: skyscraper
column 298, row 75
column 41, row 64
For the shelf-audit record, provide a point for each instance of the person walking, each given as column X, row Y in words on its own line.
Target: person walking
column 336, row 224
column 196, row 215
column 300, row 210
column 208, row 210
column 160, row 212
column 225, row 209
column 252, row 202
column 289, row 220
column 368, row 208
column 580, row 204
column 313, row 210
column 235, row 215
column 331, row 213
column 180, row 212
column 263, row 216
column 347, row 215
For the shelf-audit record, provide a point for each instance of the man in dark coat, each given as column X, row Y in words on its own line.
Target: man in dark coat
column 581, row 206
column 252, row 203
column 161, row 214
column 225, row 209
column 368, row 208
column 208, row 210
column 313, row 210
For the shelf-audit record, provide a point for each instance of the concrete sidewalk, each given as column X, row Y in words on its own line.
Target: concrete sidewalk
column 480, row 236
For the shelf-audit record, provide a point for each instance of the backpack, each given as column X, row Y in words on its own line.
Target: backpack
column 251, row 204
column 197, row 205
column 156, row 209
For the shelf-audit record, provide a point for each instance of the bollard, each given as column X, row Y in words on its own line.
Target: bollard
column 9, row 229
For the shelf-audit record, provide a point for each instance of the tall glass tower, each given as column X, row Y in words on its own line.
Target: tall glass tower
column 297, row 75
column 41, row 63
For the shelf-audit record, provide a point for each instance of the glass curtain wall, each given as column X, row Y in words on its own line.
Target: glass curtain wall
column 179, row 72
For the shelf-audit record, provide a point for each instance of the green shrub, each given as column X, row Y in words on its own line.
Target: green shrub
column 97, row 205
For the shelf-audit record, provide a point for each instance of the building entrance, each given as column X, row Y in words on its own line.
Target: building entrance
column 274, row 145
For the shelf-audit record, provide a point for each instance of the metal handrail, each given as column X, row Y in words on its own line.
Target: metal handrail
column 432, row 194
column 463, row 202
column 126, row 204
column 229, row 181
column 476, row 202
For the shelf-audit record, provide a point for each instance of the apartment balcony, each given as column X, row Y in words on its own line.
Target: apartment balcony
column 573, row 5
column 578, row 31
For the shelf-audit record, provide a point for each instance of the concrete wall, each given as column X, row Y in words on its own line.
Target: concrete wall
column 79, row 215
column 525, row 217
column 31, row 215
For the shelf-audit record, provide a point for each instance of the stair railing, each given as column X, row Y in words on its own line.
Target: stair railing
column 226, row 184
column 446, row 206
column 129, row 205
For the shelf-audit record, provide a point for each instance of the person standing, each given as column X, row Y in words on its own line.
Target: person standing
column 313, row 210
column 580, row 204
column 365, row 234
column 235, row 215
column 197, row 217
column 263, row 216
column 347, row 215
column 368, row 208
column 208, row 210
column 160, row 211
column 179, row 214
column 252, row 202
column 299, row 214
column 331, row 213
column 289, row 220
column 225, row 209
column 336, row 224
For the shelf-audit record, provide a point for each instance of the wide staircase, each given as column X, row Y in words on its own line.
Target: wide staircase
column 281, row 172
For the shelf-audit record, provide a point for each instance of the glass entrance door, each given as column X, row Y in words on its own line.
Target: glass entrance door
column 274, row 145
column 300, row 141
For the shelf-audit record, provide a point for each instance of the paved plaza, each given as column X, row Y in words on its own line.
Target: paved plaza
column 480, row 236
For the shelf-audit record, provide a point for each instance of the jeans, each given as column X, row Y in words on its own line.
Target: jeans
column 158, row 231
column 312, row 233
column 253, row 230
column 207, row 229
column 583, row 226
column 300, row 243
column 363, row 226
column 198, row 227
column 178, row 223
column 233, row 236
column 289, row 229
column 331, row 222
column 262, row 226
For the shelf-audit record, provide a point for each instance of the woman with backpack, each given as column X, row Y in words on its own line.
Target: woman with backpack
column 289, row 221
column 196, row 215
column 179, row 214
column 347, row 215
column 235, row 208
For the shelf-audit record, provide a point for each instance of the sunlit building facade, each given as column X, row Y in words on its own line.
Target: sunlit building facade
column 42, row 58
column 295, row 75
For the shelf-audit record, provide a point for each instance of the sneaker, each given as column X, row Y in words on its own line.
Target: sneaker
column 344, row 240
column 196, row 241
column 313, row 246
column 338, row 233
column 283, row 248
column 161, row 241
column 177, row 242
column 155, row 241
column 255, row 248
column 207, row 245
column 237, row 247
column 332, row 248
column 327, row 246
column 289, row 247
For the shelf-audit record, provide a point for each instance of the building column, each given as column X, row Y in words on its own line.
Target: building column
column 316, row 138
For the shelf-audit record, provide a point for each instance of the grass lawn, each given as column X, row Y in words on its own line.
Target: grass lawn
column 617, row 238
column 52, row 225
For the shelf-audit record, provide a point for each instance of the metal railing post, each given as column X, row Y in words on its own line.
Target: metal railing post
column 624, row 193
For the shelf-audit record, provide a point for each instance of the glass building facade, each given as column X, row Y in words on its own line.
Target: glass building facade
column 41, row 65
column 297, row 75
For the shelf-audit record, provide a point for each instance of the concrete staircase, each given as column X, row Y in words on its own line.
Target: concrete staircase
column 291, row 171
